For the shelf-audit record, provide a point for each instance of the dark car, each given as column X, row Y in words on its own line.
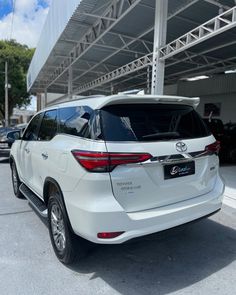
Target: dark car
column 226, row 134
column 216, row 127
column 7, row 137
column 230, row 141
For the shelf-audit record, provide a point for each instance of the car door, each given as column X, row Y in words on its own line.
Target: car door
column 42, row 155
column 27, row 145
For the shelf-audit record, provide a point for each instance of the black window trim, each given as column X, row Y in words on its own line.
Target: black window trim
column 76, row 136
column 40, row 124
column 41, row 114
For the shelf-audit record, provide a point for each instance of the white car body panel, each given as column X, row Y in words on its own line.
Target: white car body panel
column 142, row 186
column 134, row 198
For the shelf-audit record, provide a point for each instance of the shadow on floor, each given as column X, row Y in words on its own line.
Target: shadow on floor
column 164, row 262
column 4, row 160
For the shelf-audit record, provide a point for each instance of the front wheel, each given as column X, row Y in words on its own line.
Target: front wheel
column 16, row 181
column 67, row 246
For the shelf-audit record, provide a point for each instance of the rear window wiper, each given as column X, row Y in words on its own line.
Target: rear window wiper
column 163, row 135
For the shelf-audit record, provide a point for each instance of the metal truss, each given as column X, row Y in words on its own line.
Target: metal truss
column 103, row 45
column 195, row 59
column 215, row 67
column 129, row 40
column 186, row 55
column 211, row 28
column 113, row 53
column 218, row 4
column 112, row 15
column 132, row 67
column 98, row 30
column 181, row 8
column 105, row 25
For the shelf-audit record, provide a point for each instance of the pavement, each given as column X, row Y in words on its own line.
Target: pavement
column 229, row 175
column 194, row 259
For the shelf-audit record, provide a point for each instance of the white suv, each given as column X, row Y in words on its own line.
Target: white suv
column 109, row 169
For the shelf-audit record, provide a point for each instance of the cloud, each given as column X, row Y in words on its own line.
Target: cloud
column 28, row 21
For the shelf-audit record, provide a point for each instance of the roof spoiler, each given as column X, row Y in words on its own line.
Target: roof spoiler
column 129, row 99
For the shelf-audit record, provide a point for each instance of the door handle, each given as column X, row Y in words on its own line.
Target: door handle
column 45, row 156
column 27, row 150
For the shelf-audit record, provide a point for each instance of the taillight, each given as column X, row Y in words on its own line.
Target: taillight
column 109, row 235
column 213, row 148
column 106, row 162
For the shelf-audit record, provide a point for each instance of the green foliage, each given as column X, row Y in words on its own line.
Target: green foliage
column 18, row 57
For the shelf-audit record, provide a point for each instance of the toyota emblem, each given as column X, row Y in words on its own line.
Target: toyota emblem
column 181, row 147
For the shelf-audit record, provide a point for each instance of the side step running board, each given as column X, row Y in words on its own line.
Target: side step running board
column 38, row 204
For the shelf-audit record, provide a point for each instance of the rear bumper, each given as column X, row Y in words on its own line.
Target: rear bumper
column 87, row 222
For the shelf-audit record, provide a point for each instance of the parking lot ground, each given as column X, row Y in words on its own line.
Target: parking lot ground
column 199, row 258
column 229, row 175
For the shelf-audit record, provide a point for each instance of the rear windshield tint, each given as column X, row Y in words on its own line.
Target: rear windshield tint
column 151, row 122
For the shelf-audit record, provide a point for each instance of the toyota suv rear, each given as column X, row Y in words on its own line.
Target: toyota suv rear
column 109, row 169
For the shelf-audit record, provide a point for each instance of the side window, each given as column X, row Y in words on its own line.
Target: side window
column 48, row 127
column 93, row 130
column 74, row 120
column 31, row 132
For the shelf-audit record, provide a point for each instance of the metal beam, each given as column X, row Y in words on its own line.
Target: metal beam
column 116, row 74
column 60, row 70
column 113, row 53
column 138, row 38
column 195, row 59
column 217, row 66
column 98, row 16
column 209, row 29
column 218, row 4
column 181, row 8
column 118, row 10
column 104, row 46
column 70, row 82
column 202, row 53
column 160, row 30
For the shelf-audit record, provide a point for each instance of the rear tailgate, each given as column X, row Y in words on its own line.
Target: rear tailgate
column 175, row 137
column 146, row 185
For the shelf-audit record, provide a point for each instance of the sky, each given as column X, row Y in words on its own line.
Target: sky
column 29, row 17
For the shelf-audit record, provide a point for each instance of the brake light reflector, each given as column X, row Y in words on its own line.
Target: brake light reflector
column 106, row 162
column 213, row 148
column 108, row 235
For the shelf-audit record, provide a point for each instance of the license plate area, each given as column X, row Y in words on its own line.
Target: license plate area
column 179, row 170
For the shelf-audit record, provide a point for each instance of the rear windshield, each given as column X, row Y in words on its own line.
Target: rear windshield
column 151, row 122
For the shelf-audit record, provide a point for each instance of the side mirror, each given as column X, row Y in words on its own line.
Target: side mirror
column 13, row 135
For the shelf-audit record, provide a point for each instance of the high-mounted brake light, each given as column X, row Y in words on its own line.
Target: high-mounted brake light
column 109, row 235
column 213, row 148
column 106, row 162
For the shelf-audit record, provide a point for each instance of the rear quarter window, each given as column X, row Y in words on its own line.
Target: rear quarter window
column 150, row 122
column 80, row 121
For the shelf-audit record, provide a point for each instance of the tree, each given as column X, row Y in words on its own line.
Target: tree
column 18, row 57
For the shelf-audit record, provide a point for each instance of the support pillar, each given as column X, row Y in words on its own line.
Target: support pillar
column 39, row 101
column 160, row 31
column 6, row 96
column 149, row 80
column 70, row 83
column 45, row 97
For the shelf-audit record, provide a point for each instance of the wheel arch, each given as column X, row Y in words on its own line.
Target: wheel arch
column 11, row 160
column 51, row 185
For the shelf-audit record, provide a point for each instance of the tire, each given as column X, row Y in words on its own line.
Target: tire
column 67, row 246
column 16, row 181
